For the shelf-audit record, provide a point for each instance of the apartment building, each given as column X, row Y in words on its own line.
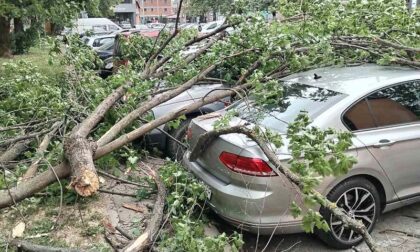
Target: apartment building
column 155, row 10
column 143, row 11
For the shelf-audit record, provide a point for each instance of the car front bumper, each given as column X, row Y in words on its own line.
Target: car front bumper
column 247, row 209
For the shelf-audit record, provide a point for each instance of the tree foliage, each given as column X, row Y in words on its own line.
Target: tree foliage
column 30, row 16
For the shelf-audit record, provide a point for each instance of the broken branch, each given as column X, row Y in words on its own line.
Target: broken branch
column 40, row 153
column 153, row 226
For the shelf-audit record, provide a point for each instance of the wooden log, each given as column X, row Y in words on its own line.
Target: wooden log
column 22, row 245
column 78, row 151
column 14, row 151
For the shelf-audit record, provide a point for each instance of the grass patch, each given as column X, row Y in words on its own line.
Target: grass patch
column 38, row 56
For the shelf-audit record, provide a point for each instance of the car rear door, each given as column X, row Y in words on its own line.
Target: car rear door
column 388, row 123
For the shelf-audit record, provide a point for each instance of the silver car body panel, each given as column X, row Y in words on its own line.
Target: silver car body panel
column 261, row 204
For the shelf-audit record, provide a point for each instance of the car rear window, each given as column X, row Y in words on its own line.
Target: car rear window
column 296, row 98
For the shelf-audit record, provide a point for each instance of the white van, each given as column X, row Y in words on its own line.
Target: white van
column 94, row 25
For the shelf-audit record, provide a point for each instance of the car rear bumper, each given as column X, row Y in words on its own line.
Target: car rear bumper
column 246, row 208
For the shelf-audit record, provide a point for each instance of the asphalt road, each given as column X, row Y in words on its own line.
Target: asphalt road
column 392, row 232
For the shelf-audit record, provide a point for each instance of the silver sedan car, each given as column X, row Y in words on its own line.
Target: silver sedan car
column 380, row 105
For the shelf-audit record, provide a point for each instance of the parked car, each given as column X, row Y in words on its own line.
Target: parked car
column 165, row 138
column 156, row 26
column 141, row 27
column 189, row 26
column 126, row 25
column 210, row 27
column 380, row 105
column 98, row 41
column 97, row 26
column 106, row 54
column 106, row 50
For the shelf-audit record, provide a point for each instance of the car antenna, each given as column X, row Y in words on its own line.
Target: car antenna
column 316, row 76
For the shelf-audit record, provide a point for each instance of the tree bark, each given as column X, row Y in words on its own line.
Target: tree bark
column 63, row 170
column 30, row 187
column 14, row 151
column 5, row 38
column 78, row 151
column 22, row 245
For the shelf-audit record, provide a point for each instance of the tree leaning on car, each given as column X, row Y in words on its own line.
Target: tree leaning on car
column 311, row 33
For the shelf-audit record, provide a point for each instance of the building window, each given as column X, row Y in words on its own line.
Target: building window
column 151, row 9
column 165, row 9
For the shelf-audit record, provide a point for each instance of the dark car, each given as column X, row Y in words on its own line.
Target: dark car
column 172, row 140
column 106, row 54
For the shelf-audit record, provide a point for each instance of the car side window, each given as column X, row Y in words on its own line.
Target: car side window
column 359, row 116
column 113, row 28
column 398, row 104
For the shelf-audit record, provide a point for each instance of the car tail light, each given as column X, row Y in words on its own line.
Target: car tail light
column 250, row 166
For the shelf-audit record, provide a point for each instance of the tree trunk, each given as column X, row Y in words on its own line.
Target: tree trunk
column 5, row 38
column 33, row 185
column 39, row 182
column 18, row 25
column 78, row 152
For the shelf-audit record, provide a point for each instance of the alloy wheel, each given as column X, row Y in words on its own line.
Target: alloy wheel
column 359, row 204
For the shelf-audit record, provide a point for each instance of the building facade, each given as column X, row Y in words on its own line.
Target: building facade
column 155, row 10
column 143, row 11
column 128, row 12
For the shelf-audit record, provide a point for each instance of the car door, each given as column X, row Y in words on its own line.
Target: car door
column 388, row 123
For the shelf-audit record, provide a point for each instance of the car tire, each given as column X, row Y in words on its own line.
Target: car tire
column 359, row 197
column 174, row 149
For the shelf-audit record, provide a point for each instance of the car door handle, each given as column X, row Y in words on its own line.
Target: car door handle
column 383, row 143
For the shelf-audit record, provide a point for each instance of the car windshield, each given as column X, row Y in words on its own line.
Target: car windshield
column 296, row 98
